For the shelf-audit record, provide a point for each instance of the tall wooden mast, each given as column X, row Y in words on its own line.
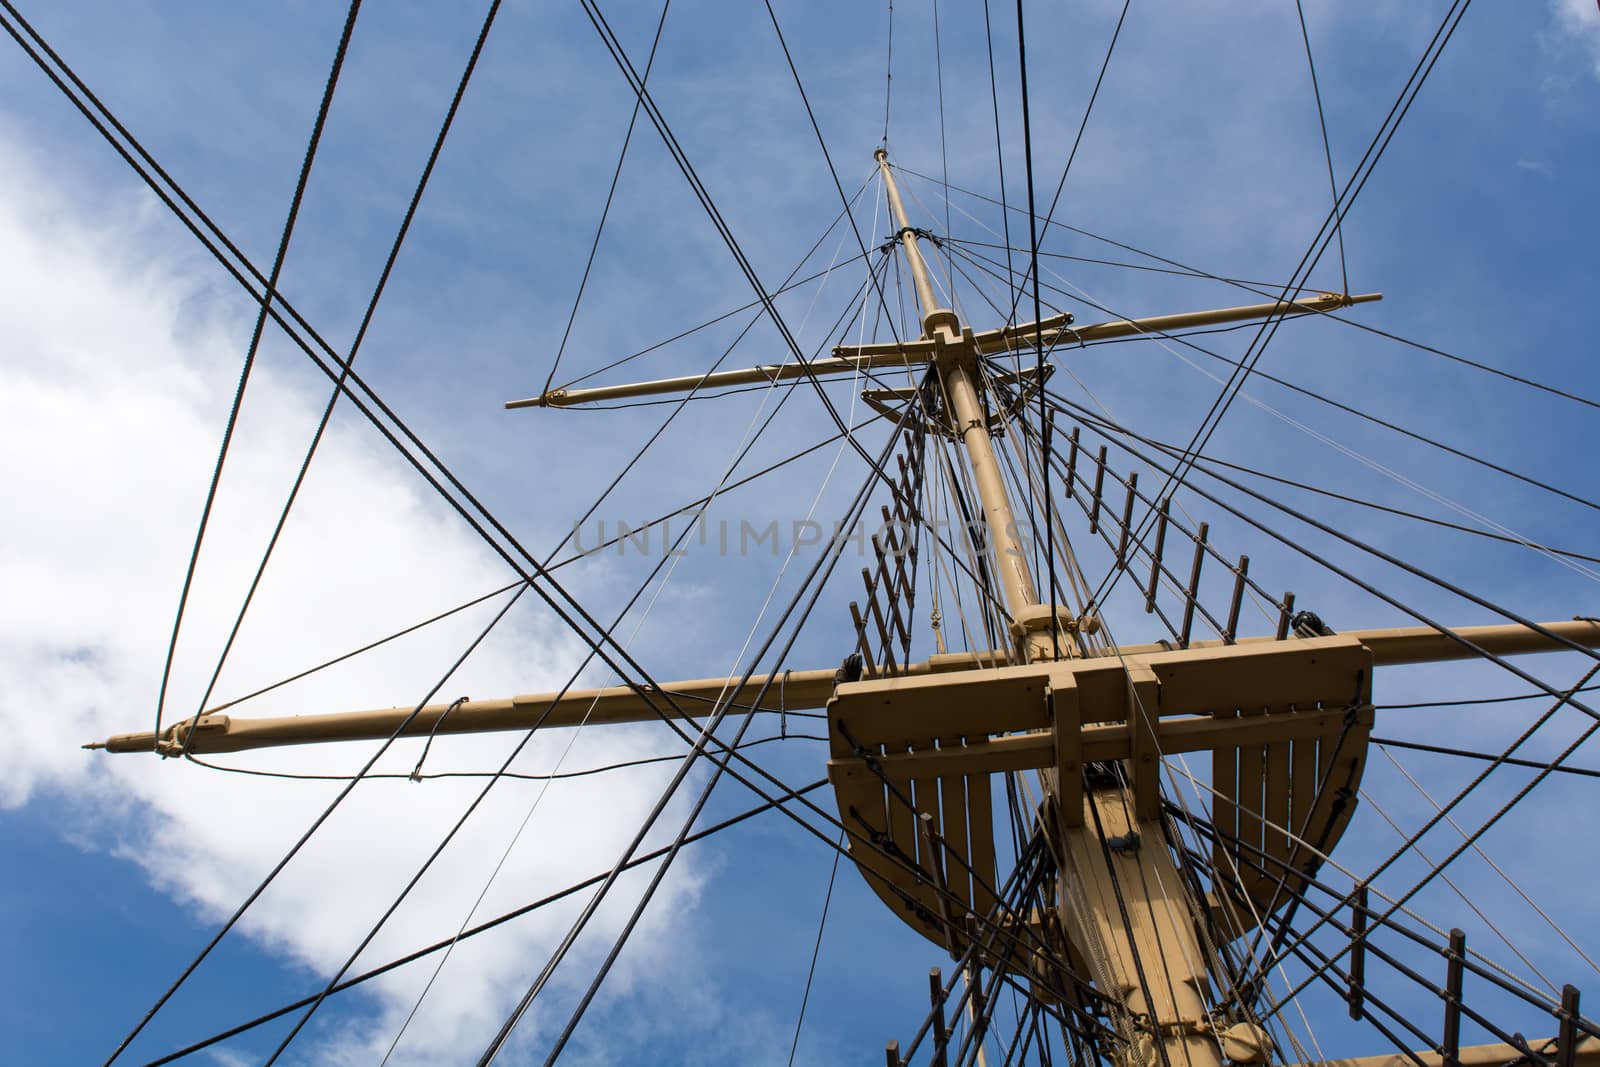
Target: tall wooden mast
column 1127, row 909
column 956, row 359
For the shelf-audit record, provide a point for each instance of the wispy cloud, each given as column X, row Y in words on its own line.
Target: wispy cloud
column 118, row 367
column 1579, row 20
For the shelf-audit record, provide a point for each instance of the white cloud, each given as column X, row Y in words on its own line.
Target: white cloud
column 117, row 363
column 1580, row 20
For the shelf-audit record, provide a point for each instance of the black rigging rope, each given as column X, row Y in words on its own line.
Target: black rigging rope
column 1396, row 428
column 722, row 706
column 1253, row 856
column 1050, row 588
column 1479, row 700
column 1487, row 757
column 244, row 272
column 373, row 408
column 999, row 157
column 990, row 266
column 271, row 287
column 816, row 951
column 1126, row 434
column 1358, row 178
column 583, row 553
column 1088, row 110
column 820, row 570
column 1176, row 270
column 1400, row 512
column 483, row 927
column 554, row 776
column 828, row 159
column 355, row 346
column 1005, row 226
column 681, row 403
column 888, row 76
column 611, row 193
column 944, row 150
column 1327, row 147
column 1259, row 288
column 1470, row 839
column 316, row 824
column 790, row 285
column 702, row 195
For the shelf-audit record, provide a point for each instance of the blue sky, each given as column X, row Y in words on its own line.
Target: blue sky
column 120, row 344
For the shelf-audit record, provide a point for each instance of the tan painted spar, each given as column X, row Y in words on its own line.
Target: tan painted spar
column 1587, row 1054
column 849, row 359
column 219, row 732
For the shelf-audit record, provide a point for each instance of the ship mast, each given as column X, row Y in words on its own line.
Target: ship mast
column 914, row 746
column 1127, row 908
column 956, row 359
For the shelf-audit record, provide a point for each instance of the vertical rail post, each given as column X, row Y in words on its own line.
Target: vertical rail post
column 977, row 1011
column 1285, row 612
column 1450, row 1051
column 1099, row 484
column 869, row 667
column 891, row 1055
column 941, row 1031
column 1072, row 462
column 1155, row 555
column 1127, row 516
column 1567, row 1032
column 1358, row 950
column 1194, row 583
column 1239, row 574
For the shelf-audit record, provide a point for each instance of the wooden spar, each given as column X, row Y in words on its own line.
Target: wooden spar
column 220, row 732
column 1057, row 330
column 849, row 359
column 1587, row 1055
column 772, row 372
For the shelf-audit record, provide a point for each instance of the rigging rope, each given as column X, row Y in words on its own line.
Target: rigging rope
column 1327, row 147
column 816, row 950
column 721, row 707
column 611, row 193
column 1083, row 125
column 1483, row 855
column 270, row 290
column 1050, row 588
column 483, row 927
column 355, row 346
column 1160, row 337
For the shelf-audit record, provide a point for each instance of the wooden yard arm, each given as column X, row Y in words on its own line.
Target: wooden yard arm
column 794, row 691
